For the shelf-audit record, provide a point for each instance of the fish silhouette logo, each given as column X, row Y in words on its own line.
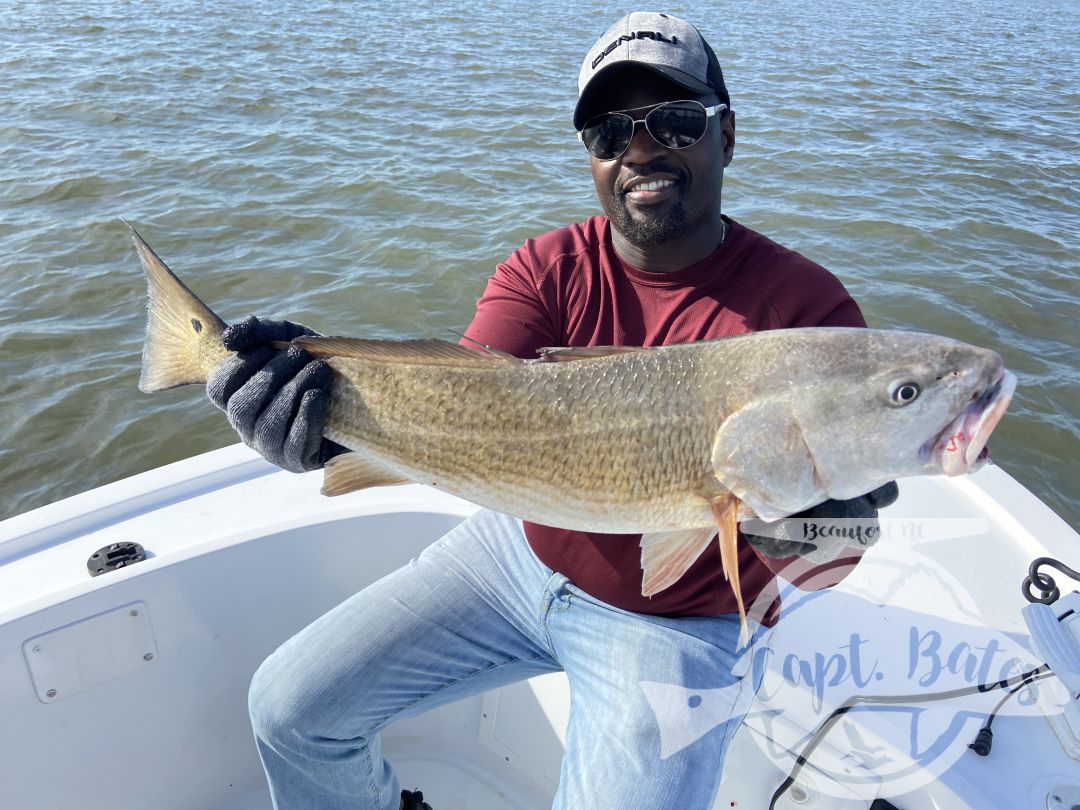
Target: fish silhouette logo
column 686, row 715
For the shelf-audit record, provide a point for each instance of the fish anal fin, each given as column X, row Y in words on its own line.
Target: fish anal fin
column 666, row 556
column 428, row 352
column 725, row 509
column 350, row 472
column 555, row 354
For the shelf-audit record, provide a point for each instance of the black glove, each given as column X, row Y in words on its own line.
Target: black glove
column 276, row 399
column 821, row 532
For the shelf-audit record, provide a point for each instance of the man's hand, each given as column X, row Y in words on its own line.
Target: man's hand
column 276, row 399
column 822, row 532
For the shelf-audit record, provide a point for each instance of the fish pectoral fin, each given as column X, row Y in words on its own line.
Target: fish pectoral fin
column 760, row 454
column 428, row 352
column 350, row 472
column 666, row 556
column 562, row 354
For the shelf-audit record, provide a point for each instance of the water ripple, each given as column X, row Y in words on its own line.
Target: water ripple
column 303, row 163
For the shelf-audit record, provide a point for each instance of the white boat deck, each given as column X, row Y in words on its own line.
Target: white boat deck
column 241, row 555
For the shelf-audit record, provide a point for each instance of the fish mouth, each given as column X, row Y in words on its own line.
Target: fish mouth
column 961, row 446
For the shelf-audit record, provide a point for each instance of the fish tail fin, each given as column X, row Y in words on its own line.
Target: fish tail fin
column 725, row 510
column 183, row 335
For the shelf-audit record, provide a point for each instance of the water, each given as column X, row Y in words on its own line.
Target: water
column 361, row 170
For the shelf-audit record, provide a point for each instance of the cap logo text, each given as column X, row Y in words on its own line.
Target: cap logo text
column 653, row 35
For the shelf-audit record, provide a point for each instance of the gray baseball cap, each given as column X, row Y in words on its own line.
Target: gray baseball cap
column 661, row 42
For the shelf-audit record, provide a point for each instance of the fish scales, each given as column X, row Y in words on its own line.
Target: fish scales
column 626, row 440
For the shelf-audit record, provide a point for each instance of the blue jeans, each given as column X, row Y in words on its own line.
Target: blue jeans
column 477, row 610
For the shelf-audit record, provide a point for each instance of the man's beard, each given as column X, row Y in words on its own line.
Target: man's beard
column 646, row 232
column 650, row 229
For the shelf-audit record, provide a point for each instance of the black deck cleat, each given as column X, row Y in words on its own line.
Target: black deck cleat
column 114, row 556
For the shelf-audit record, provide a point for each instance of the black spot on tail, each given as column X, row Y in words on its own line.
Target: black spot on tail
column 196, row 324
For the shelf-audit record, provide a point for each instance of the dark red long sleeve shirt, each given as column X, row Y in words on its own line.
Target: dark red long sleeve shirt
column 568, row 287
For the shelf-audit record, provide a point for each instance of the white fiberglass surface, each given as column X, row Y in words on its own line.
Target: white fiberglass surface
column 177, row 725
column 242, row 556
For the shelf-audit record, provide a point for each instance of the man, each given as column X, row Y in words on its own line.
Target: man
column 497, row 600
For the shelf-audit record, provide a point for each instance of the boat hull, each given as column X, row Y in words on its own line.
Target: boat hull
column 227, row 580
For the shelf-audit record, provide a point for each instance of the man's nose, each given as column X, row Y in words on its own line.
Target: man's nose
column 643, row 147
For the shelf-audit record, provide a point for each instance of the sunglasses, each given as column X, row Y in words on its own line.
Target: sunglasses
column 674, row 124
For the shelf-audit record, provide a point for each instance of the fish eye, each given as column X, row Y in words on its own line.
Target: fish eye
column 904, row 393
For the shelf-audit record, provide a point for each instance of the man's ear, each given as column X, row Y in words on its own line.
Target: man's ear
column 728, row 131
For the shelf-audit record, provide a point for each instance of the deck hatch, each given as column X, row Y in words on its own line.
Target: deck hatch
column 92, row 651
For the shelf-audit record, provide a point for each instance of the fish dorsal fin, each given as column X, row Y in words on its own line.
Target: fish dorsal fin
column 555, row 354
column 666, row 556
column 427, row 352
column 487, row 349
column 350, row 472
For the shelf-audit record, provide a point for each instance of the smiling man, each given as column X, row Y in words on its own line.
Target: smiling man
column 657, row 196
column 498, row 600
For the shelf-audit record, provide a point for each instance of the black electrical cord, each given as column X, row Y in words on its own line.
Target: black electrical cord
column 858, row 700
column 1044, row 583
column 1048, row 594
column 1040, row 674
column 985, row 738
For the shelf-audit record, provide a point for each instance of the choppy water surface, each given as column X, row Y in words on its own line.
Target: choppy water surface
column 362, row 171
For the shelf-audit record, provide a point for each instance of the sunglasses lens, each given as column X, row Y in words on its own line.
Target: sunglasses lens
column 607, row 136
column 677, row 125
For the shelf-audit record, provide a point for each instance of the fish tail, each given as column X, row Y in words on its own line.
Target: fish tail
column 725, row 511
column 183, row 335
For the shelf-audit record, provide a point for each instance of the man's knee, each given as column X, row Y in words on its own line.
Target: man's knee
column 290, row 698
column 272, row 712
